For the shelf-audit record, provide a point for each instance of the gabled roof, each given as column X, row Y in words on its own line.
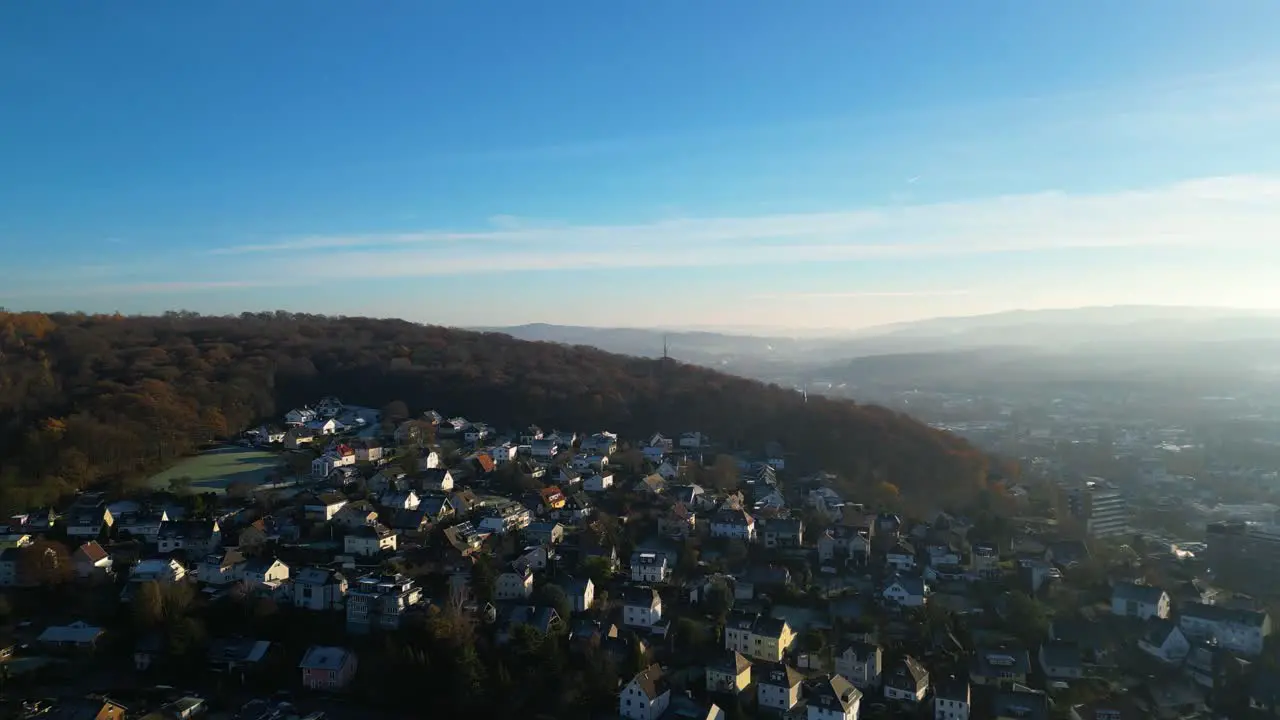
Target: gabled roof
column 993, row 660
column 1158, row 630
column 836, row 694
column 652, row 682
column 1132, row 592
column 776, row 674
column 1025, row 703
column 1221, row 614
column 952, row 687
column 92, row 552
column 640, row 596
column 731, row 663
column 910, row 670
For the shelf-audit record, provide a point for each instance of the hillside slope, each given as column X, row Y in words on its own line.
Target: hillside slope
column 91, row 398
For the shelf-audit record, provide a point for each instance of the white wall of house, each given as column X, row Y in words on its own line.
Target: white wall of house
column 946, row 709
column 776, row 697
column 641, row 615
column 635, row 704
column 513, row 586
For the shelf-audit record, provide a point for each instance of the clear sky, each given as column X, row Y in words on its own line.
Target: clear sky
column 719, row 162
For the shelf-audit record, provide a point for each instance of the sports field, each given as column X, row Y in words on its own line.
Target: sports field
column 214, row 470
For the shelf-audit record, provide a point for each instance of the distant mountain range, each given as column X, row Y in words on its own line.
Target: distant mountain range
column 1023, row 328
column 1138, row 339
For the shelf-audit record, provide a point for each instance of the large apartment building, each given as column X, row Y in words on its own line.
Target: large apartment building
column 1101, row 507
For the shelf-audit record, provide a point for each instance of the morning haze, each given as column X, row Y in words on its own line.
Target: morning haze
column 586, row 359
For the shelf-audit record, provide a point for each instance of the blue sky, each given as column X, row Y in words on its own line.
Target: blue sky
column 722, row 162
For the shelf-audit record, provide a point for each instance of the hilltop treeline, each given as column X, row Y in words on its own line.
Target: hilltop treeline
column 87, row 399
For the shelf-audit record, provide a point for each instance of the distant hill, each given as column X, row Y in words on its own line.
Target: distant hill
column 1050, row 329
column 85, row 399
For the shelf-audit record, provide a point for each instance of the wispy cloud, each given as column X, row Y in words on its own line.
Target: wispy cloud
column 1240, row 212
column 860, row 295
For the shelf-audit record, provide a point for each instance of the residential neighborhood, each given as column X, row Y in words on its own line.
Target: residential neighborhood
column 711, row 582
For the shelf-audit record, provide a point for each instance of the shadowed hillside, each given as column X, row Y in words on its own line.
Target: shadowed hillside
column 85, row 399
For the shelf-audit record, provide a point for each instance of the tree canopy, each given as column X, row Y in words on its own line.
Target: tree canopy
column 87, row 399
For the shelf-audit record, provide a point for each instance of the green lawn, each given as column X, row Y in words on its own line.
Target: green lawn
column 214, row 470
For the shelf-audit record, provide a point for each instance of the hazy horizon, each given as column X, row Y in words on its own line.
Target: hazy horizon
column 582, row 164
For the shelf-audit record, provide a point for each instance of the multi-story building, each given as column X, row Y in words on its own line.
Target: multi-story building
column 758, row 636
column 649, row 567
column 379, row 602
column 1243, row 556
column 1242, row 631
column 1101, row 507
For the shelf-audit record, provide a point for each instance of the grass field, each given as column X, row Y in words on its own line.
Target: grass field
column 214, row 470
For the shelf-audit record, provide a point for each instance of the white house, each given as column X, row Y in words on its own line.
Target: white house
column 299, row 416
column 907, row 681
column 581, row 593
column 407, row 500
column 545, row 448
column 1164, row 641
column 515, row 584
column 650, row 567
column 430, row 460
column 323, row 427
column 901, row 558
column 319, row 589
column 646, row 697
column 1242, row 631
column 323, row 507
column 777, row 686
column 598, row 482
column 161, row 570
column 736, row 524
column 221, row 568
column 268, row 573
column 324, row 465
column 951, row 699
column 833, row 698
column 1140, row 601
column 641, row 606
column 860, row 663
column 906, row 592
column 369, row 540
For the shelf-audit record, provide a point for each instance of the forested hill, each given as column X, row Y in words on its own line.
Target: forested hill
column 86, row 399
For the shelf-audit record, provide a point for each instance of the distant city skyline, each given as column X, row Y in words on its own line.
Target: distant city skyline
column 721, row 164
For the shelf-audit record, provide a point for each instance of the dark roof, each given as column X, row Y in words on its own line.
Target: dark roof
column 652, row 682
column 1022, row 704
column 861, row 650
column 539, row 618
column 991, row 661
column 1219, row 613
column 1157, row 631
column 642, row 595
column 733, row 663
column 776, row 674
column 908, row 670
column 952, row 687
column 574, row 586
column 410, row 519
column 1132, row 592
column 834, row 693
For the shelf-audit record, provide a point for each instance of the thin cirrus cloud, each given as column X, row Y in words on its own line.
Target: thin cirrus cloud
column 860, row 295
column 1234, row 212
